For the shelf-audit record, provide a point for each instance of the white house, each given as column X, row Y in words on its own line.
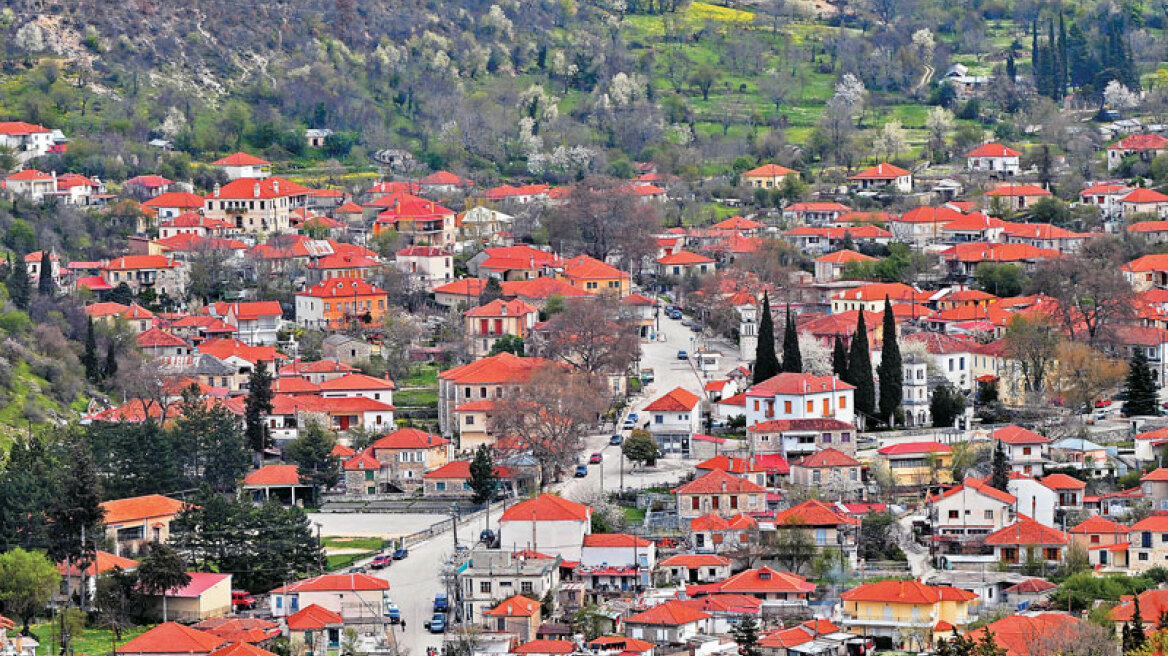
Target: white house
column 547, row 524
column 619, row 550
column 242, row 165
column 1026, row 450
column 883, row 176
column 673, row 419
column 970, row 512
column 1107, row 197
column 354, row 597
column 426, row 266
column 800, row 396
column 355, row 385
column 1035, row 500
column 25, row 140
column 257, row 323
column 993, row 158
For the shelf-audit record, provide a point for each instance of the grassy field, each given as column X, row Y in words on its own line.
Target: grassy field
column 634, row 515
column 366, row 545
column 419, row 389
column 92, row 641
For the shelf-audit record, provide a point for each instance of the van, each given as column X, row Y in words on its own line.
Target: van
column 441, row 603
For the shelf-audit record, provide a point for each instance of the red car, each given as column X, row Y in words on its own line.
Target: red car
column 595, row 459
column 242, row 600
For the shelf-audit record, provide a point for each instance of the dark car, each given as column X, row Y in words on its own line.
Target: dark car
column 487, row 536
column 438, row 623
column 381, row 561
column 616, row 440
column 682, row 355
column 441, row 603
column 401, row 554
column 581, row 471
column 595, row 459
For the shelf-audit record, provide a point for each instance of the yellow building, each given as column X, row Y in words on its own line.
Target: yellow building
column 595, row 277
column 918, row 463
column 767, row 176
column 908, row 613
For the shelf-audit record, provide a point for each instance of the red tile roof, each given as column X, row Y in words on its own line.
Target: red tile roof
column 670, row 613
column 993, row 150
column 341, row 287
column 1026, row 532
column 1153, row 604
column 930, row 215
column 172, row 638
column 783, row 425
column 615, row 540
column 828, row 457
column 677, row 399
column 102, row 563
column 500, row 368
column 814, row 513
column 735, row 604
column 905, row 592
column 335, row 583
column 1140, row 142
column 268, row 188
column 793, row 384
column 141, row 508
column 717, row 482
column 355, row 382
column 279, row 475
column 241, row 649
column 1144, row 195
column 1010, row 190
column 517, row 606
column 460, row 470
column 845, row 256
column 714, row 522
column 684, row 258
column 409, row 438
column 1031, row 586
column 883, row 171
column 695, row 560
column 1157, row 523
column 175, row 199
column 1018, row 634
column 241, row 159
column 768, row 170
column 502, row 308
column 1017, row 435
column 906, row 448
column 134, row 262
column 1062, row 482
column 21, row 128
column 765, row 580
column 313, row 618
column 545, row 647
column 1097, row 524
column 547, row 508
column 156, row 337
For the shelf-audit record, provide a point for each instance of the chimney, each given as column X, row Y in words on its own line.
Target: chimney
column 256, row 190
column 275, row 186
column 216, row 190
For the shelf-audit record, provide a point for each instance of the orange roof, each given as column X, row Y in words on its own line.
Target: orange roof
column 541, row 288
column 905, row 448
column 172, row 638
column 268, row 188
column 339, row 450
column 993, row 150
column 341, row 287
column 1039, row 231
column 279, row 475
column 545, row 647
column 905, row 592
column 1017, row 190
column 1017, row 634
column 547, row 508
column 793, row 384
column 1157, row 523
column 1153, row 603
column 29, row 174
column 313, row 618
column 884, row 171
column 335, row 582
column 501, row 308
column 713, row 522
column 355, row 382
column 1062, row 482
column 684, row 257
column 104, row 562
column 845, row 256
column 363, row 461
column 1148, row 226
column 629, row 645
column 828, row 457
column 1017, row 435
column 241, row 649
column 462, row 287
column 615, row 540
column 736, row 223
column 227, row 347
column 1103, row 189
column 1140, row 142
column 175, row 199
column 21, row 127
column 585, row 267
column 765, row 579
column 670, row 613
column 1160, row 474
column 1153, row 262
column 241, row 159
column 995, row 252
column 877, row 291
column 145, row 507
column 408, row 438
column 767, row 170
column 156, row 337
column 240, row 629
column 1097, row 524
column 724, row 603
column 460, row 470
column 1144, row 195
column 676, row 400
column 718, row 481
column 695, row 560
column 814, row 513
column 444, row 178
column 500, row 368
column 133, row 262
column 518, row 606
column 1027, row 532
column 973, row 222
column 930, row 215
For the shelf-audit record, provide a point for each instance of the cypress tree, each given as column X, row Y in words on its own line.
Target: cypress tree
column 45, row 284
column 89, row 358
column 766, row 363
column 839, row 359
column 891, row 371
column 860, row 369
column 1140, row 387
column 111, row 362
column 999, row 468
column 258, row 404
column 18, row 285
column 1064, row 65
column 1011, row 68
column 1137, row 628
column 792, row 358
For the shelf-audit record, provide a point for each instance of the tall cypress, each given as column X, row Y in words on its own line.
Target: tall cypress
column 891, row 372
column 839, row 359
column 999, row 468
column 1064, row 65
column 766, row 363
column 45, row 284
column 111, row 362
column 792, row 358
column 18, row 285
column 1011, row 68
column 860, row 369
column 1140, row 387
column 89, row 358
column 257, row 406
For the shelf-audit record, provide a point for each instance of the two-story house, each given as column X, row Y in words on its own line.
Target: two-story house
column 136, row 521
column 800, row 396
column 518, row 615
column 358, row 598
column 141, row 272
column 408, row 453
column 830, row 471
column 883, row 176
column 713, row 533
column 994, row 159
column 799, row 437
column 1028, row 541
column 966, row 514
column 492, row 576
column 720, row 493
column 1026, row 451
column 918, row 463
column 256, row 322
column 427, row 266
column 696, row 568
column 547, row 524
column 256, row 206
column 673, row 420
column 824, row 523
column 242, row 165
column 668, row 623
column 487, row 323
column 900, row 610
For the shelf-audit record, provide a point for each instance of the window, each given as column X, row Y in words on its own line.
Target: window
column 658, row 419
column 716, row 503
column 734, row 503
column 1025, row 450
column 843, row 403
column 1094, row 539
column 815, row 477
column 1143, row 555
column 810, row 406
column 1050, row 553
column 485, row 587
column 845, row 437
column 953, row 514
column 470, row 420
column 526, row 587
column 694, row 503
column 827, row 438
column 440, row 486
column 786, row 407
column 989, row 514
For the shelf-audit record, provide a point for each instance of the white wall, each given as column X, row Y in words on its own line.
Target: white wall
column 563, row 539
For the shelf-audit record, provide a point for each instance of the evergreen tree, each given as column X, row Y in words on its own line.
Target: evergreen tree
column 219, row 451
column 1080, row 58
column 746, row 636
column 1064, row 65
column 1126, row 640
column 1137, row 625
column 946, row 405
column 18, row 284
column 1140, row 388
column 77, row 510
column 792, row 358
column 492, row 290
column 89, row 358
column 161, row 571
column 860, row 370
column 766, row 363
column 120, row 294
column 839, row 359
column 999, row 468
column 483, row 479
column 29, row 486
column 891, row 370
column 312, row 453
column 45, row 285
column 111, row 362
column 1011, row 68
column 257, row 406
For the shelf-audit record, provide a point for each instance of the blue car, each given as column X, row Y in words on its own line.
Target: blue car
column 682, row 355
column 441, row 603
column 438, row 623
column 615, row 440
column 581, row 471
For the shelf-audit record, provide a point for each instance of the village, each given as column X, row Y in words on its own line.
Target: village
column 916, row 411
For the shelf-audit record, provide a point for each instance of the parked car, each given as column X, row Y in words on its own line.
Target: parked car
column 695, row 327
column 487, row 536
column 441, row 603
column 633, row 417
column 647, row 375
column 401, row 554
column 682, row 355
column 595, row 459
column 382, row 561
column 392, row 612
column 581, row 471
column 616, row 440
column 242, row 600
column 438, row 623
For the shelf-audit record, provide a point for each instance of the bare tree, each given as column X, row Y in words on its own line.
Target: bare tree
column 1089, row 290
column 591, row 336
column 1085, row 374
column 1032, row 341
column 548, row 417
column 604, row 216
column 1074, row 639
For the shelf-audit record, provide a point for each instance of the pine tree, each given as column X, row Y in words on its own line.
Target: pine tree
column 1064, row 65
column 89, row 358
column 161, row 571
column 483, row 479
column 860, row 369
column 111, row 362
column 792, row 358
column 18, row 285
column 45, row 285
column 312, row 453
column 1011, row 68
column 766, row 363
column 1140, row 387
column 839, row 359
column 76, row 510
column 257, row 406
column 745, row 634
column 999, row 468
column 1137, row 629
column 891, row 371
